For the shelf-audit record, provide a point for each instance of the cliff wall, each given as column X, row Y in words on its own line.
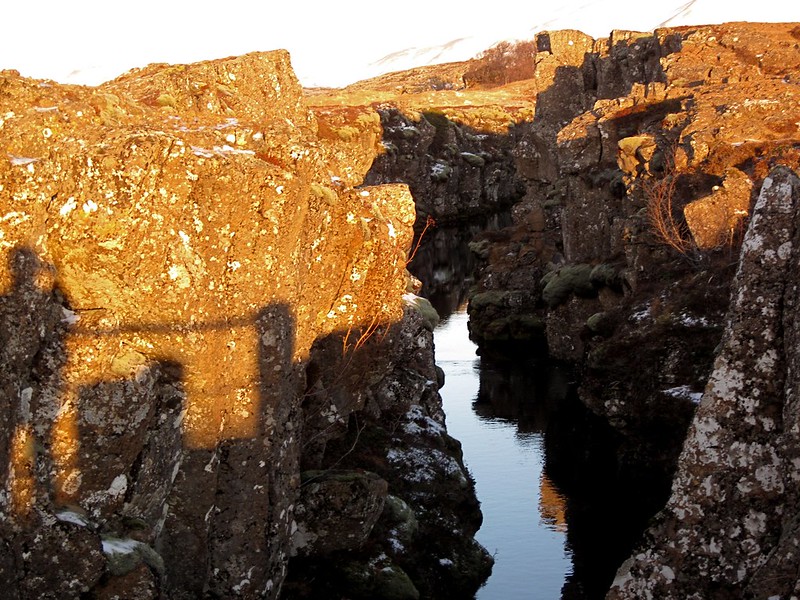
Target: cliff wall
column 641, row 156
column 730, row 525
column 642, row 163
column 195, row 302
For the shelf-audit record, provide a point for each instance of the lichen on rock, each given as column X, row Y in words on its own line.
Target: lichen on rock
column 732, row 510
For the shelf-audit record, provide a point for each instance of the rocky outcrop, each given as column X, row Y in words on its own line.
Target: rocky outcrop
column 730, row 524
column 641, row 156
column 196, row 306
column 451, row 144
column 455, row 172
column 397, row 432
column 622, row 125
column 641, row 166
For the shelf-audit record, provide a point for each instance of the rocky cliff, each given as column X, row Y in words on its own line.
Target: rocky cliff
column 452, row 146
column 211, row 358
column 730, row 527
column 641, row 155
column 642, row 163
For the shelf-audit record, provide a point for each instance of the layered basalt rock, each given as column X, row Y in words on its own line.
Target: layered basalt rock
column 451, row 144
column 641, row 154
column 630, row 132
column 176, row 246
column 455, row 172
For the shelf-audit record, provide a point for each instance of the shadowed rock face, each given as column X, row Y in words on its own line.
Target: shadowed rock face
column 641, row 155
column 176, row 246
column 731, row 521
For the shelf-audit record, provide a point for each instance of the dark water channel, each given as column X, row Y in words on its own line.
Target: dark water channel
column 557, row 516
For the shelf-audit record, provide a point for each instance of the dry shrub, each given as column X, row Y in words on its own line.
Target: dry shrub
column 665, row 217
column 504, row 63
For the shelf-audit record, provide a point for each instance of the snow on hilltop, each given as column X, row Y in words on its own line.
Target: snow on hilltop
column 331, row 44
column 596, row 18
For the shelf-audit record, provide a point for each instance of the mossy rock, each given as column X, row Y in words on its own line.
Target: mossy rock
column 441, row 172
column 602, row 324
column 473, row 159
column 123, row 555
column 424, row 308
column 401, row 516
column 490, row 298
column 392, row 583
column 574, row 279
column 552, row 203
column 480, row 248
column 605, row 275
column 519, row 328
column 548, row 277
column 527, row 327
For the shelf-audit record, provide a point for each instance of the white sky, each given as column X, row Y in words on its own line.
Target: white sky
column 332, row 42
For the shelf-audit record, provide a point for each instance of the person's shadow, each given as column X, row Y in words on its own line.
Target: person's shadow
column 33, row 324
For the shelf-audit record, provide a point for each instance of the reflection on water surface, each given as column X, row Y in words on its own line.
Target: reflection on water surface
column 558, row 515
column 524, row 524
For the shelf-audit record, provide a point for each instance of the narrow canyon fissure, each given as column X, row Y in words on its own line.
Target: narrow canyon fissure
column 218, row 375
column 559, row 514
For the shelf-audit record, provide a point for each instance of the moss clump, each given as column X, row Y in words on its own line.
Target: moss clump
column 402, row 517
column 574, row 279
column 392, row 583
column 602, row 324
column 480, row 248
column 347, row 133
column 425, row 309
column 387, row 581
column 441, row 171
column 473, row 159
column 519, row 328
column 368, row 119
column 490, row 298
column 605, row 275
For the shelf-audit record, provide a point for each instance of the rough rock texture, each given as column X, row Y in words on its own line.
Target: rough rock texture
column 398, row 433
column 641, row 164
column 641, row 154
column 731, row 521
column 176, row 246
column 623, row 127
column 455, row 172
column 450, row 144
